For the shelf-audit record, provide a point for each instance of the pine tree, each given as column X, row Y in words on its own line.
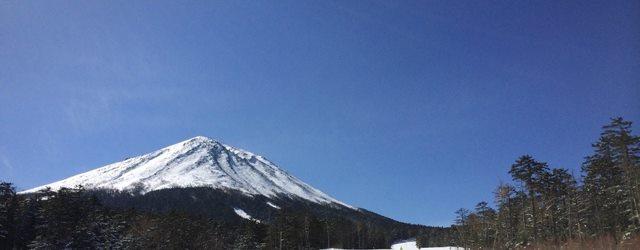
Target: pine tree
column 25, row 222
column 557, row 187
column 611, row 191
column 462, row 226
column 486, row 228
column 530, row 173
column 626, row 154
column 8, row 207
column 506, row 218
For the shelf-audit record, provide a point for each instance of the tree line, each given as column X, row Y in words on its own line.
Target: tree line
column 542, row 207
column 76, row 218
column 548, row 207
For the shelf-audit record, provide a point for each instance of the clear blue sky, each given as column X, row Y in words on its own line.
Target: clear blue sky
column 409, row 109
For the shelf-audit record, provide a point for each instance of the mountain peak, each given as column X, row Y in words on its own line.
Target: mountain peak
column 198, row 162
column 196, row 141
column 202, row 139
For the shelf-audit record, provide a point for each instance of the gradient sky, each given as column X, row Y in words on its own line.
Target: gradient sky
column 408, row 109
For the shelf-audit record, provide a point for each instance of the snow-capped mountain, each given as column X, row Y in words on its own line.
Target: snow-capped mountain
column 198, row 162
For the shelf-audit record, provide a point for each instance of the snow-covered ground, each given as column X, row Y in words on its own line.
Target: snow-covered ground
column 411, row 245
column 197, row 162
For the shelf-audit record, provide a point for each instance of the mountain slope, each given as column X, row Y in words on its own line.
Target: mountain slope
column 202, row 178
column 198, row 162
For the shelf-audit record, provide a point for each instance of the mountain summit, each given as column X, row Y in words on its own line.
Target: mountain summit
column 198, row 162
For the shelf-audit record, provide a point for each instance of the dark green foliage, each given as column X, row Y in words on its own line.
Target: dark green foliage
column 530, row 174
column 70, row 218
column 549, row 208
column 543, row 206
column 437, row 237
column 179, row 219
column 611, row 184
column 8, row 210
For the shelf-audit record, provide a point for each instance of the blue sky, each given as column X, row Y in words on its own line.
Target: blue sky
column 408, row 109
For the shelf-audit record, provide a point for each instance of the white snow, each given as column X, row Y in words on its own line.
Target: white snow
column 411, row 245
column 442, row 248
column 197, row 162
column 273, row 205
column 405, row 245
column 244, row 214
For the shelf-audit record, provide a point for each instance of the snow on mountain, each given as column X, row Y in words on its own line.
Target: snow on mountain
column 244, row 214
column 273, row 205
column 197, row 162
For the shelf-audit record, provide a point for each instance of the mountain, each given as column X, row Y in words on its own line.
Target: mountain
column 206, row 180
column 198, row 162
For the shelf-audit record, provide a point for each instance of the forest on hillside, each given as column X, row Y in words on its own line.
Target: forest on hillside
column 84, row 219
column 546, row 207
column 543, row 207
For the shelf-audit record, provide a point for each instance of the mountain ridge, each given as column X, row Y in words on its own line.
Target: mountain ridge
column 197, row 162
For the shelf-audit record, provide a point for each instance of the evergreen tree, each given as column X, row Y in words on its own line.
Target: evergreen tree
column 529, row 173
column 486, row 228
column 249, row 236
column 625, row 149
column 8, row 206
column 507, row 216
column 462, row 227
column 611, row 191
column 558, row 190
column 549, row 207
